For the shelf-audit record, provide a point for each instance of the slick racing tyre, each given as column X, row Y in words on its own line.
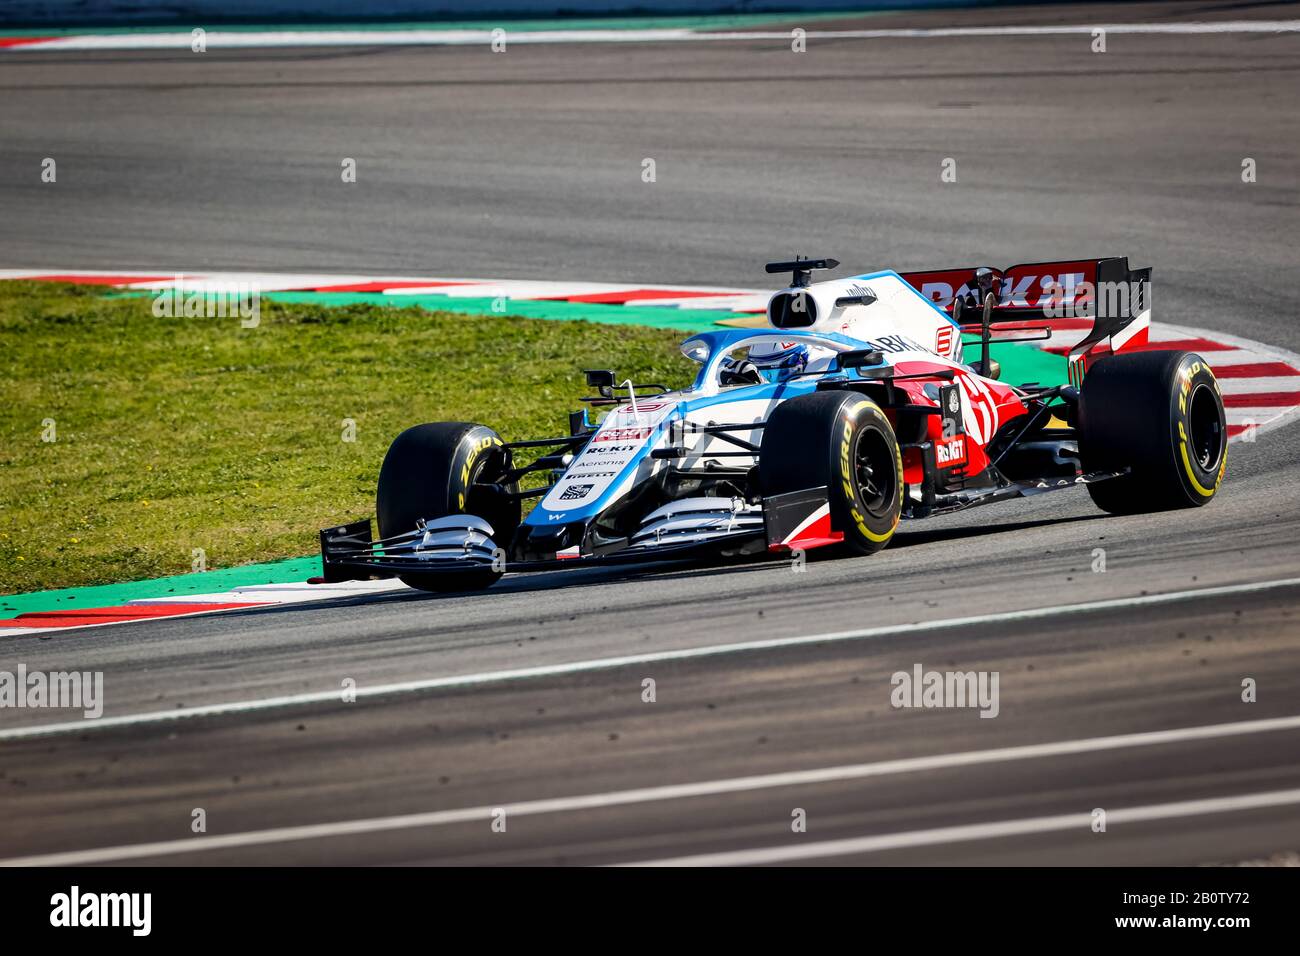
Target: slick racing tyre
column 441, row 469
column 1160, row 414
column 843, row 441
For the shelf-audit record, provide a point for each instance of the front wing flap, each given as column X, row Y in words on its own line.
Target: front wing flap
column 348, row 553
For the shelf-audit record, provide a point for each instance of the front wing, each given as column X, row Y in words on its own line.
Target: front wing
column 460, row 543
column 348, row 552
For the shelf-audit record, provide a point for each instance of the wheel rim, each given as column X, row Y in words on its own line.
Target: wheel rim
column 484, row 502
column 478, row 497
column 1205, row 428
column 873, row 468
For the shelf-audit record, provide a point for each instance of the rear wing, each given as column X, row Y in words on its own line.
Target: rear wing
column 1103, row 298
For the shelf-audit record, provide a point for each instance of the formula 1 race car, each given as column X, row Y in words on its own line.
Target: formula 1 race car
column 854, row 410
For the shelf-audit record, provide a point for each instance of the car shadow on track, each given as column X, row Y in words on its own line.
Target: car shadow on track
column 667, row 571
column 909, row 539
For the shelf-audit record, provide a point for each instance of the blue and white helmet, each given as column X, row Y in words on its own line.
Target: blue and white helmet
column 780, row 358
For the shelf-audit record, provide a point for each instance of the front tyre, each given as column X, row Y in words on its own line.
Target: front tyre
column 440, row 469
column 844, row 441
column 1159, row 414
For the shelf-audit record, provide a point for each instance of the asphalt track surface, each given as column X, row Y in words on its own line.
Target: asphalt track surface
column 528, row 164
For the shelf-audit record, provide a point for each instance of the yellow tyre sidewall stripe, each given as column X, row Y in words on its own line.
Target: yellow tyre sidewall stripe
column 1186, row 376
column 851, row 428
column 467, row 468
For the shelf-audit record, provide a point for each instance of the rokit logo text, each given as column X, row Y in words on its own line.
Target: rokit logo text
column 951, row 451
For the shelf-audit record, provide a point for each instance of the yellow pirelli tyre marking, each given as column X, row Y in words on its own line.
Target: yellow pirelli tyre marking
column 846, row 475
column 1191, row 472
column 480, row 446
column 1186, row 376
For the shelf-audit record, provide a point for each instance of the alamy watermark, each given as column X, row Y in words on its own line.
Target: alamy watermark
column 82, row 690
column 922, row 688
column 1070, row 299
column 193, row 300
column 76, row 908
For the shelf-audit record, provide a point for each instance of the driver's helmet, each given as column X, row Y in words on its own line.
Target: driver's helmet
column 778, row 360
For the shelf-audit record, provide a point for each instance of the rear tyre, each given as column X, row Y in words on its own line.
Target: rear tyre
column 844, row 441
column 1160, row 414
column 441, row 469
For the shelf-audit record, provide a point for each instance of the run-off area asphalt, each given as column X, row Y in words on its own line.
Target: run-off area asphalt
column 715, row 719
column 760, row 155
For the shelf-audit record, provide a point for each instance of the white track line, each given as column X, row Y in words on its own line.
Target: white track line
column 1249, row 386
column 672, row 792
column 983, row 831
column 608, row 663
column 219, row 39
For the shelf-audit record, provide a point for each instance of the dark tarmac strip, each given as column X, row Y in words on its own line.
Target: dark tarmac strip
column 719, row 718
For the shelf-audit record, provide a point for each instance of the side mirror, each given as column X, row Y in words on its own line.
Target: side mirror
column 599, row 378
column 860, row 358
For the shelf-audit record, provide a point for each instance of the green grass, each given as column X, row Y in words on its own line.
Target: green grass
column 174, row 434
